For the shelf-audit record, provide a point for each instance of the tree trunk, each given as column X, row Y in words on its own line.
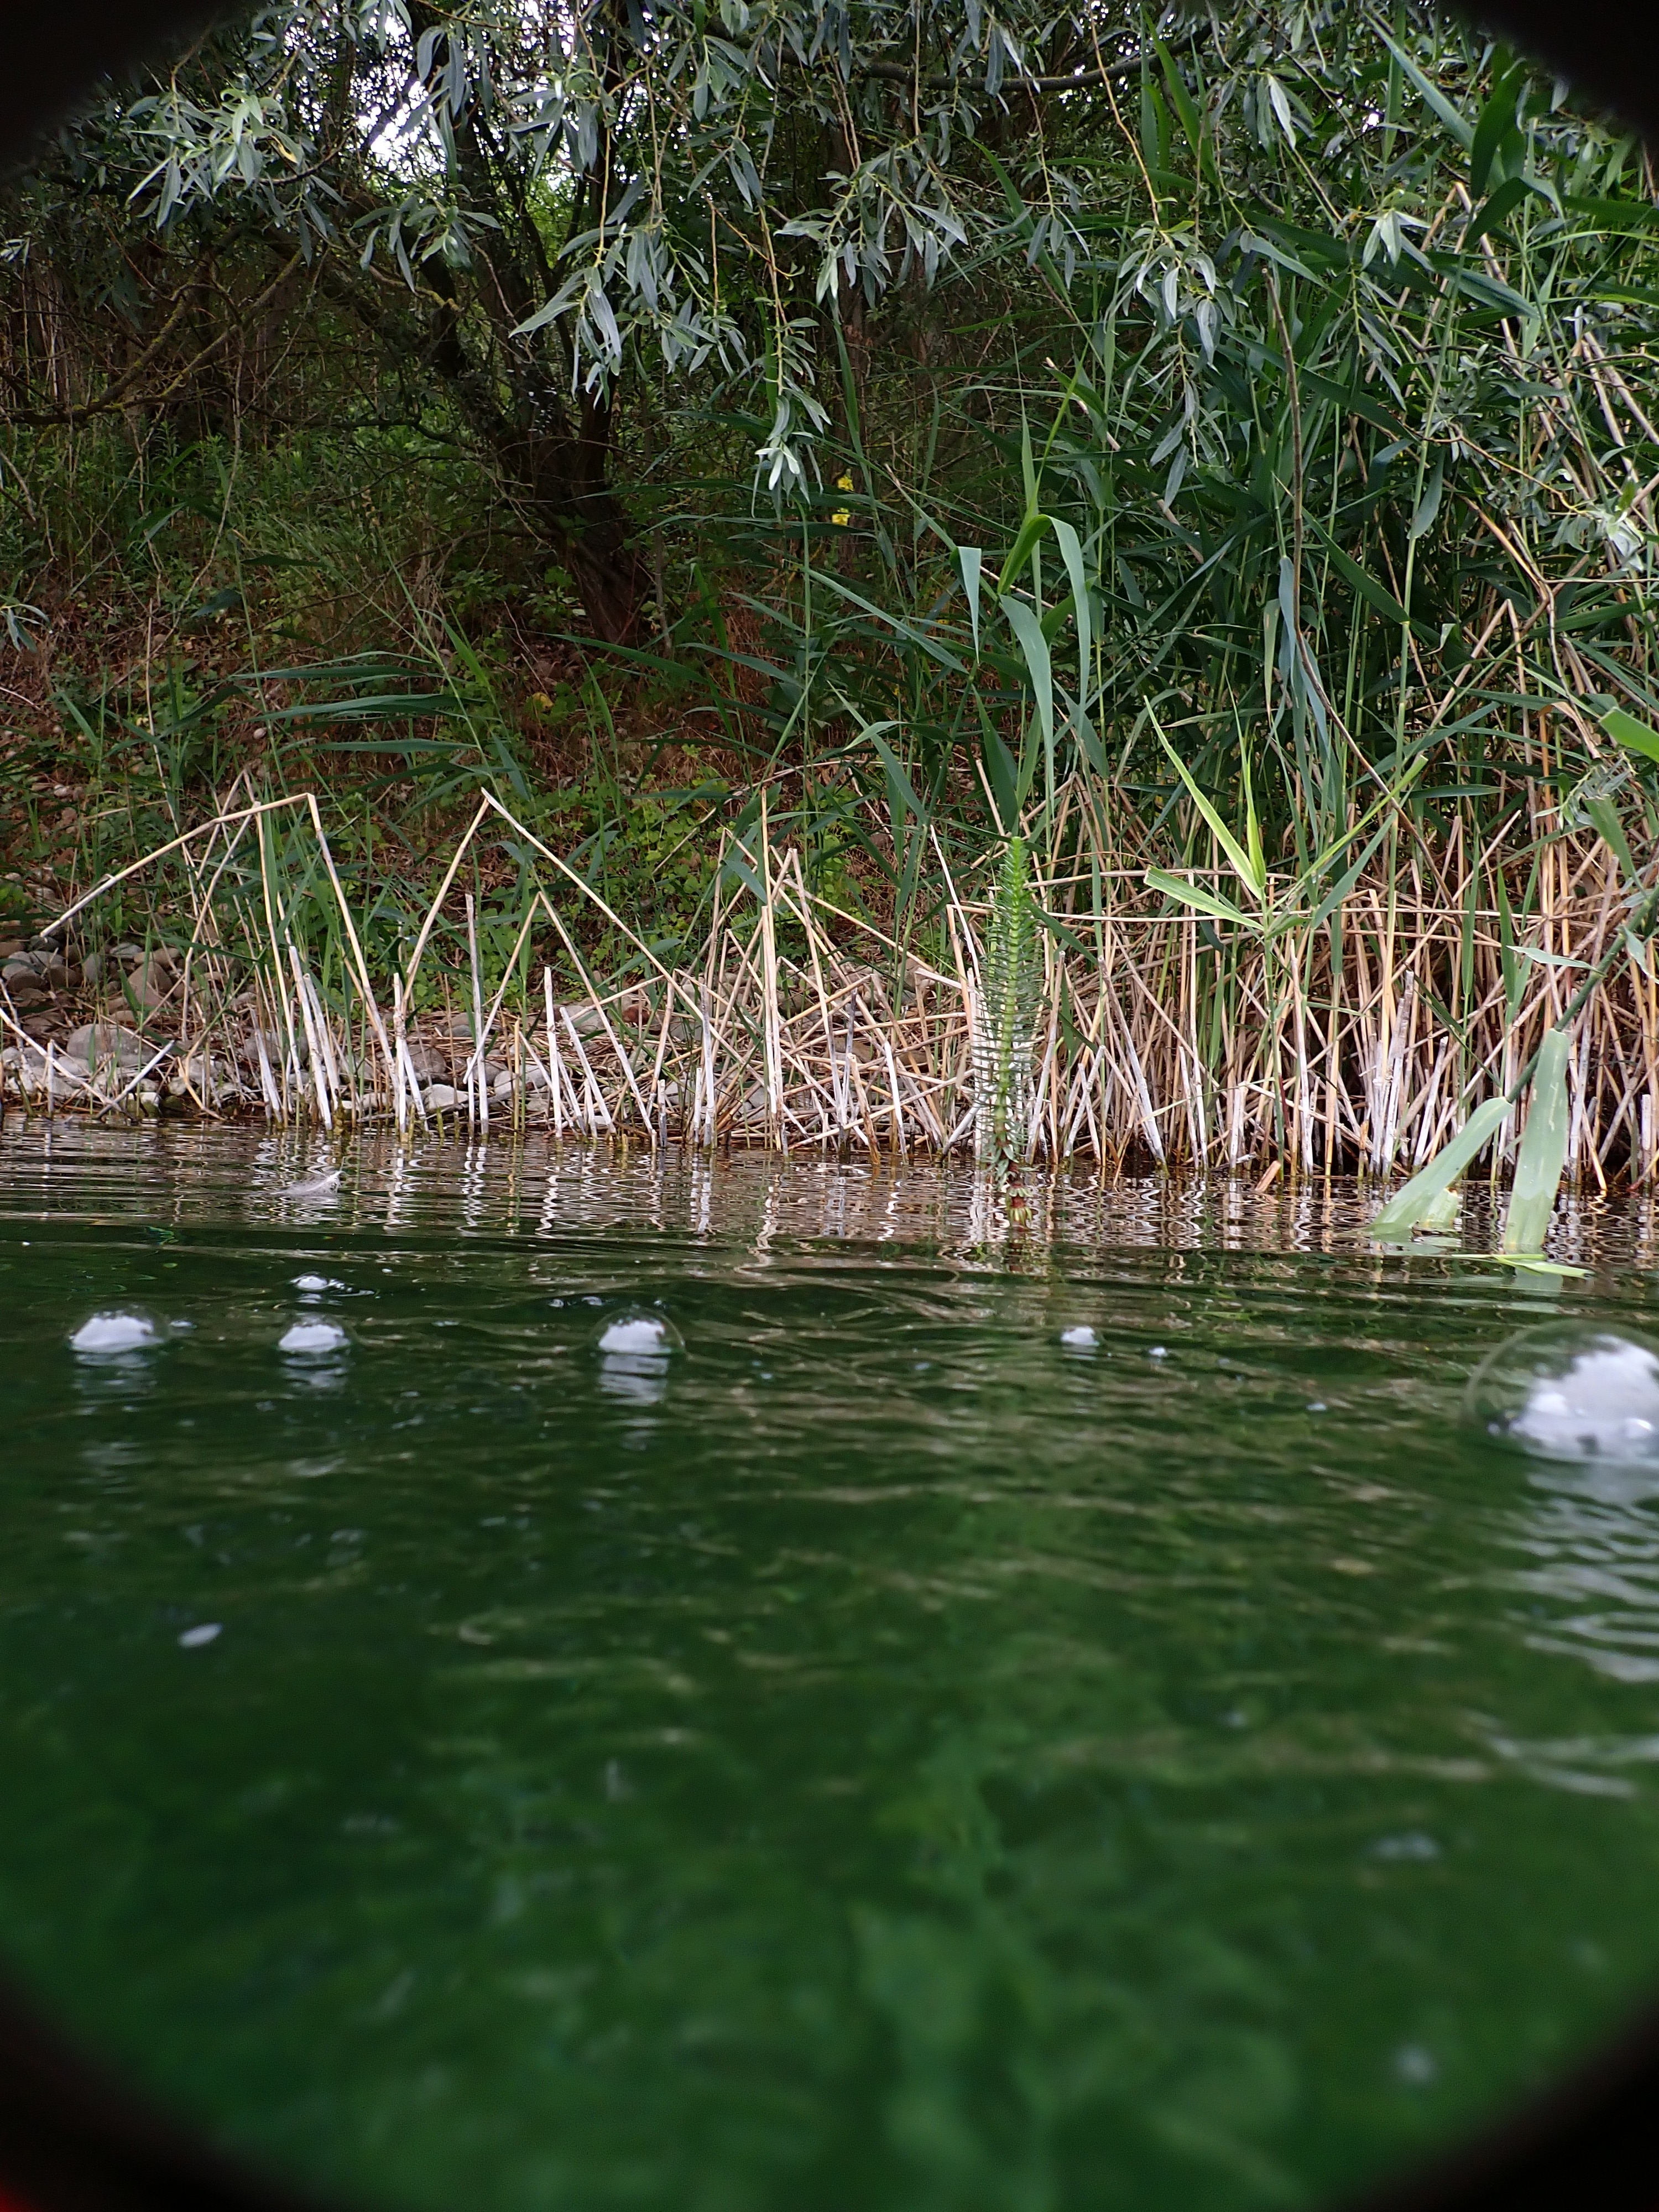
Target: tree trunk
column 554, row 455
column 552, row 445
column 563, row 473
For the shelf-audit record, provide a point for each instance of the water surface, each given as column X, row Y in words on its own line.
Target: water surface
column 877, row 1755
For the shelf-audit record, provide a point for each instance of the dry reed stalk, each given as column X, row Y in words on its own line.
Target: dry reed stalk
column 1360, row 1044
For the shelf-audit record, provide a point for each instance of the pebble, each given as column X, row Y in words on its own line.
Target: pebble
column 106, row 1045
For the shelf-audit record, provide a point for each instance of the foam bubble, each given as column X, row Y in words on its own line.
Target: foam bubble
column 634, row 1335
column 1568, row 1391
column 107, row 1332
column 194, row 1638
column 313, row 1336
column 1080, row 1339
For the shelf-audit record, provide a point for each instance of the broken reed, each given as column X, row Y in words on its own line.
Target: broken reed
column 1359, row 1044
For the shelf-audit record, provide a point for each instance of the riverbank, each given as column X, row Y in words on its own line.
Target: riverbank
column 1330, row 1034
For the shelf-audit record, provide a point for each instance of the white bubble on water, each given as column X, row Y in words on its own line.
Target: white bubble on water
column 313, row 1336
column 194, row 1638
column 1415, row 2065
column 107, row 1332
column 633, row 1349
column 636, row 1334
column 311, row 1285
column 1079, row 1338
column 1413, row 1846
column 1569, row 1391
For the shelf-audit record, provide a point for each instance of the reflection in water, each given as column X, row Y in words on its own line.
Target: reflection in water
column 1595, row 1536
column 637, row 1336
column 179, row 1173
column 639, row 1377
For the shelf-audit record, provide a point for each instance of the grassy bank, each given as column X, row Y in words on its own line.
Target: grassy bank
column 1332, row 1035
column 1264, row 539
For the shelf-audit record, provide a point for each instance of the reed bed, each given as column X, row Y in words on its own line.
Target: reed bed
column 1351, row 1040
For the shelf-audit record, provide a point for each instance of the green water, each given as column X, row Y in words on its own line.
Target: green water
column 886, row 1761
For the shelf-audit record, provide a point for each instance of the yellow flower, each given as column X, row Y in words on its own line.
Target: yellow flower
column 843, row 515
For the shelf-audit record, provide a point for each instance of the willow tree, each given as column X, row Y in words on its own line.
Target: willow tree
column 520, row 198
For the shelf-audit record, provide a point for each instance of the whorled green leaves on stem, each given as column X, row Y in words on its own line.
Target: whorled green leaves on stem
column 1005, row 1018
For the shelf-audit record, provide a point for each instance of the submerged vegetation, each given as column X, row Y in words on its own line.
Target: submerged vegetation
column 1057, row 586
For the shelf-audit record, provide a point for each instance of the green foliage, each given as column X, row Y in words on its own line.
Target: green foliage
column 1221, row 452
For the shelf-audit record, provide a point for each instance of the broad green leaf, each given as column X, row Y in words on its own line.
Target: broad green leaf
column 1627, row 731
column 913, row 634
column 1498, row 207
column 1417, row 1202
column 1487, row 292
column 1033, row 644
column 1440, row 1213
column 1429, row 506
column 1242, row 865
column 1252, row 826
column 1071, row 552
column 1181, row 99
column 1461, row 129
column 1001, row 773
column 973, row 562
column 1528, row 1263
column 1362, row 579
column 1496, row 125
column 1603, row 816
column 1543, row 1150
column 1030, row 530
column 900, row 792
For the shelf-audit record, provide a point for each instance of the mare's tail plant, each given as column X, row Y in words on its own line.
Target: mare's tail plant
column 1004, row 1018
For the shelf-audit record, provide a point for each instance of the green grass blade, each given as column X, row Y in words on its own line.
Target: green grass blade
column 1194, row 895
